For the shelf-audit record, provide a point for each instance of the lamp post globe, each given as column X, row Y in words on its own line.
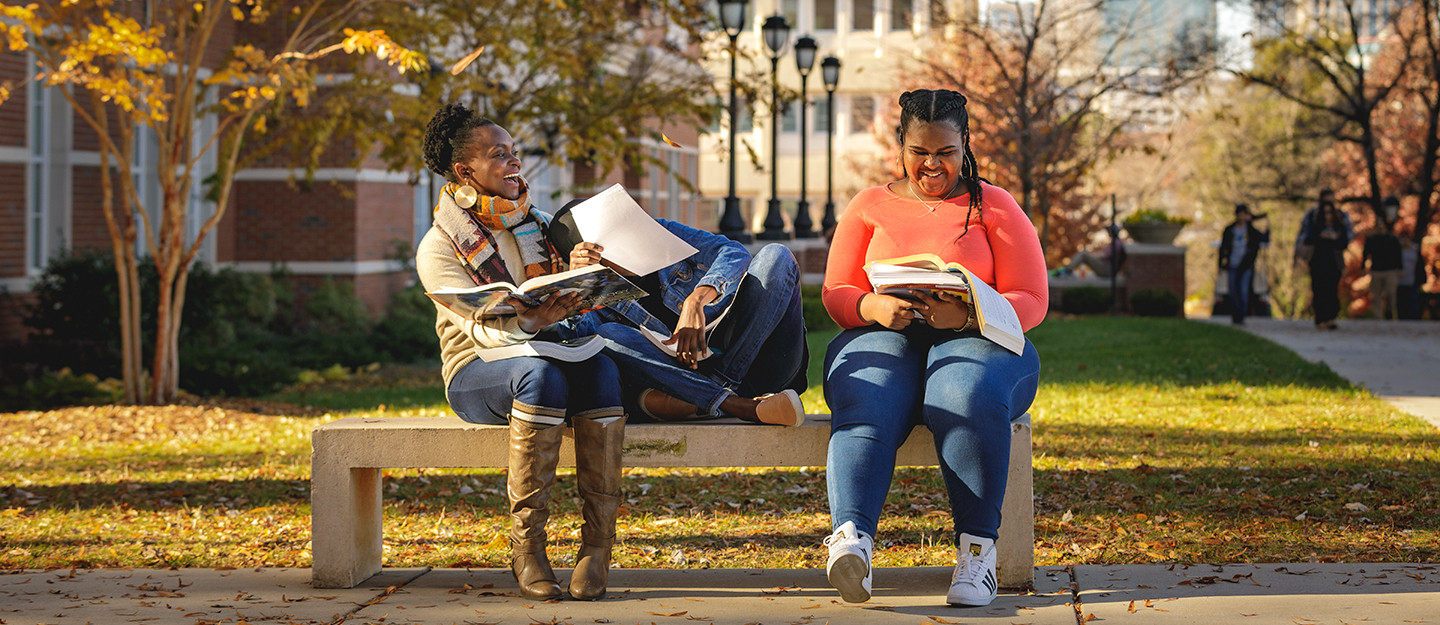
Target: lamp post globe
column 732, row 223
column 830, row 73
column 804, row 62
column 777, row 33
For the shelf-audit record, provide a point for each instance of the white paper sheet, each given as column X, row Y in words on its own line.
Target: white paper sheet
column 631, row 238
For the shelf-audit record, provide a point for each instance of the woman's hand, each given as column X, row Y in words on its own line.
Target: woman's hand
column 889, row 311
column 945, row 311
column 553, row 309
column 585, row 254
column 689, row 335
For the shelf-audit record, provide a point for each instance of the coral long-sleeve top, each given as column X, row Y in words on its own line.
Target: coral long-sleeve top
column 1001, row 248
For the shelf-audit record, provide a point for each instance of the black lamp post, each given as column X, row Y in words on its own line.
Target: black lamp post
column 732, row 224
column 830, row 73
column 804, row 61
column 777, row 33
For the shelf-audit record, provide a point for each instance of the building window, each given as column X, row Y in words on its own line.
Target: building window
column 862, row 113
column 900, row 12
column 862, row 14
column 824, row 14
column 672, row 199
column 747, row 118
column 424, row 206
column 821, row 115
column 791, row 10
column 789, row 117
column 39, row 175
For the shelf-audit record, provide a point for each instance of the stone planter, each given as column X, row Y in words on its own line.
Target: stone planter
column 1163, row 233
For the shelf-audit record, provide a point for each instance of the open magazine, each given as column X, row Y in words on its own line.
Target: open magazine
column 600, row 285
column 994, row 316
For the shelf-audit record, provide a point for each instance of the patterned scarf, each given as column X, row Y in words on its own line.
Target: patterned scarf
column 469, row 231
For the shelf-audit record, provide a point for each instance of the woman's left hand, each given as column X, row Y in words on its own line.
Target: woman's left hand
column 585, row 254
column 945, row 311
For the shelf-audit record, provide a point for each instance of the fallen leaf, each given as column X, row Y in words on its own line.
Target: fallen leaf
column 670, row 141
column 500, row 541
column 669, row 613
column 941, row 620
column 1132, row 606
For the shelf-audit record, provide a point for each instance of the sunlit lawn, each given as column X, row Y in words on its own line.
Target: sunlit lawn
column 1155, row 441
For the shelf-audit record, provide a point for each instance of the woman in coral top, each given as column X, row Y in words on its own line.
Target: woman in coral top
column 900, row 363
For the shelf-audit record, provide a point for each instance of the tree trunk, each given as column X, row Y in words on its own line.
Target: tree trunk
column 122, row 245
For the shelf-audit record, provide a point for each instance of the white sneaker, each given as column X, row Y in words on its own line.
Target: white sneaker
column 849, row 567
column 973, row 583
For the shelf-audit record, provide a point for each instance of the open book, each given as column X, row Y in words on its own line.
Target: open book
column 994, row 316
column 632, row 239
column 599, row 284
column 574, row 350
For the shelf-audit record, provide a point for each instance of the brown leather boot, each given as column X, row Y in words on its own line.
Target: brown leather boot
column 534, row 452
column 597, row 470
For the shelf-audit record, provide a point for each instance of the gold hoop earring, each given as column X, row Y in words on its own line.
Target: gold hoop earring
column 465, row 196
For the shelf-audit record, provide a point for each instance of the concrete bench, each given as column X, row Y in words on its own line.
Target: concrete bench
column 348, row 454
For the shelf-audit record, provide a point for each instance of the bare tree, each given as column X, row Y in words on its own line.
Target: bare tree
column 1055, row 86
column 1337, row 47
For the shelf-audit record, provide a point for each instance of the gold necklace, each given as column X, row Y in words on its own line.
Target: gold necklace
column 910, row 183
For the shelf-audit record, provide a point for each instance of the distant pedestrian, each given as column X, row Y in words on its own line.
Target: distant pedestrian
column 1407, row 297
column 1303, row 250
column 1239, row 247
column 1382, row 255
column 1328, row 235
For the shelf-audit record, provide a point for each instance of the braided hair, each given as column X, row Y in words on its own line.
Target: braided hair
column 937, row 105
column 450, row 137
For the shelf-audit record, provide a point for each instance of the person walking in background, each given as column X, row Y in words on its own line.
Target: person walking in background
column 1304, row 250
column 1328, row 235
column 1382, row 255
column 1407, row 297
column 1239, row 248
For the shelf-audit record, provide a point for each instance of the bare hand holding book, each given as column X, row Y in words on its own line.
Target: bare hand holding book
column 598, row 284
column 994, row 316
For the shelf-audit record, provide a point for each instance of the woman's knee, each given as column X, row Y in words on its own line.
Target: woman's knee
column 539, row 382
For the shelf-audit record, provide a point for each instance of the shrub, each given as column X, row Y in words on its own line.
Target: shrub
column 242, row 333
column 1154, row 216
column 1085, row 300
column 1156, row 302
column 816, row 318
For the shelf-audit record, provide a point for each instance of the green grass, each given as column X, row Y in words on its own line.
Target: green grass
column 1156, row 440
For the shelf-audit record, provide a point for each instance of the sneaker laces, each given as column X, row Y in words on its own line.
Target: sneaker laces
column 972, row 567
column 834, row 538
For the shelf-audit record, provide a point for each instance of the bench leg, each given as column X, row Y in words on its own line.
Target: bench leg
column 345, row 525
column 1015, row 551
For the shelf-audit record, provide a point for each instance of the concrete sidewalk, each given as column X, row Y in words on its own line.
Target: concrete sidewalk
column 1396, row 360
column 1251, row 594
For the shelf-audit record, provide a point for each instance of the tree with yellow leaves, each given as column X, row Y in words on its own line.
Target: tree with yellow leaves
column 163, row 65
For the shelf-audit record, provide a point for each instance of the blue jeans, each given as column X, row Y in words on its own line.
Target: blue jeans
column 881, row 383
column 1240, row 293
column 759, row 346
column 539, row 390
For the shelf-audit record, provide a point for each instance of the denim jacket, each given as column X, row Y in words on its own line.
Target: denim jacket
column 719, row 263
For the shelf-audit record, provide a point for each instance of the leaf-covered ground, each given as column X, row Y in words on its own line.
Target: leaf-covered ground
column 1155, row 441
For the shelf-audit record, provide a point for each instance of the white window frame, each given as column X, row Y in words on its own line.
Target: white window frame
column 37, row 173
